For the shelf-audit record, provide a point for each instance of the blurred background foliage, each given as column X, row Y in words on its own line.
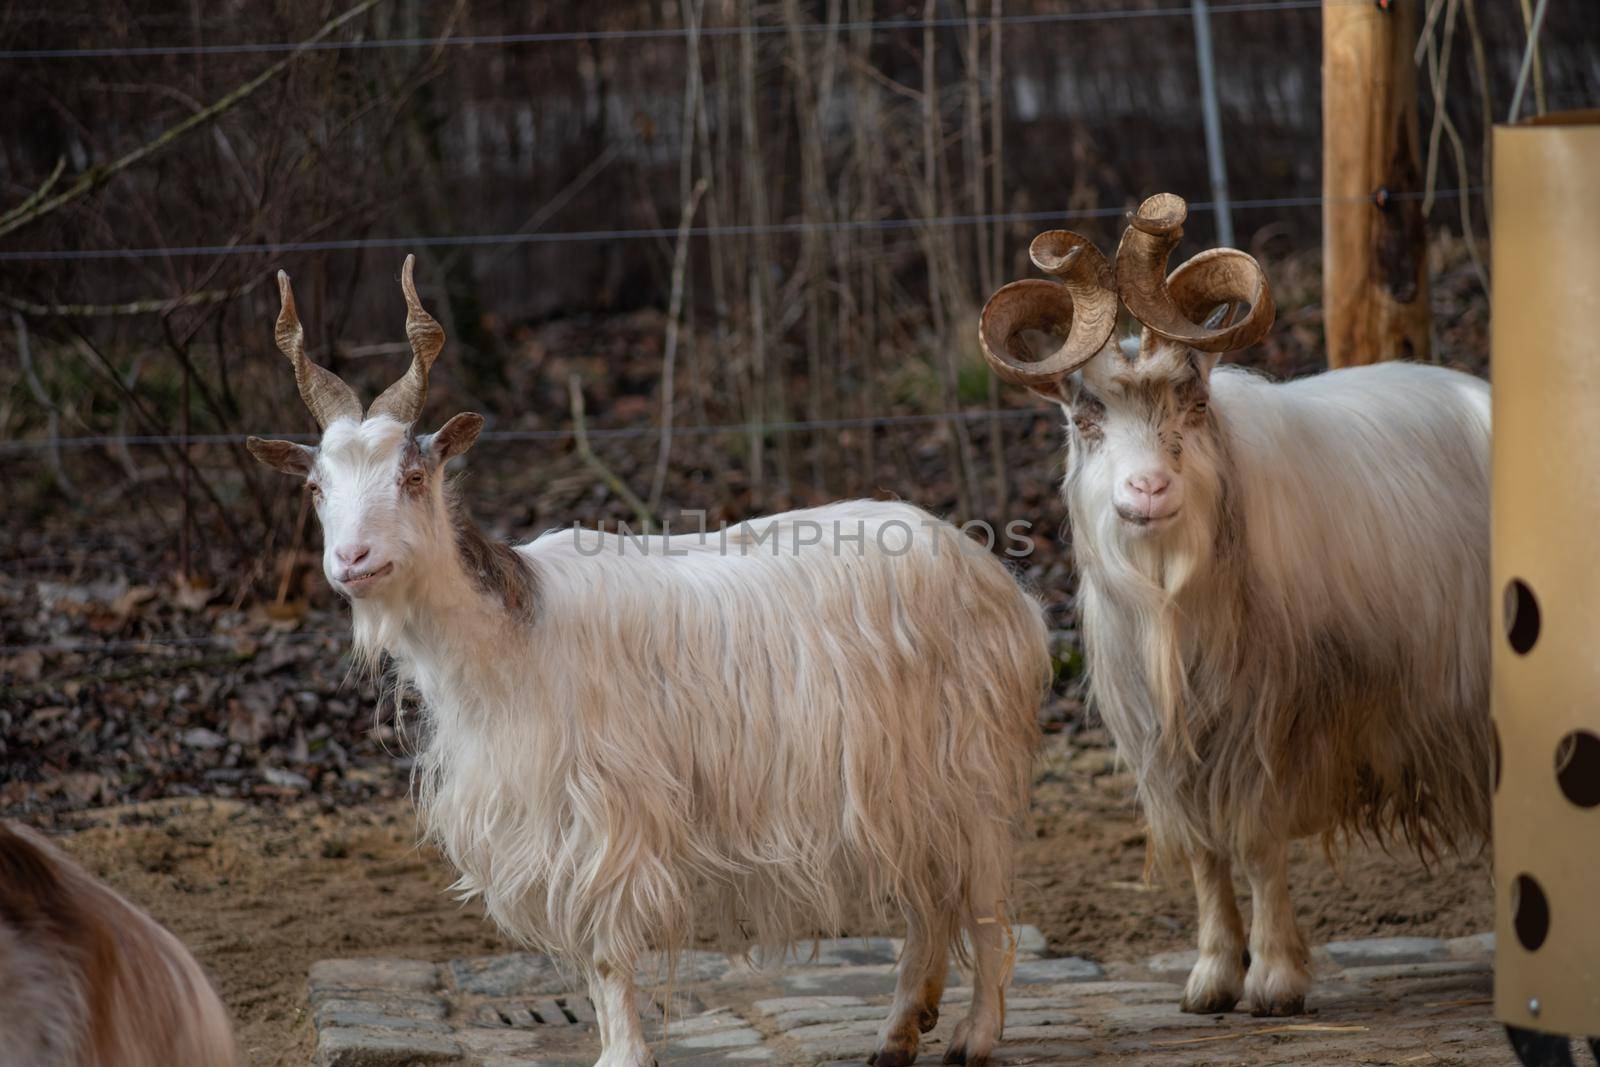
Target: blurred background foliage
column 724, row 218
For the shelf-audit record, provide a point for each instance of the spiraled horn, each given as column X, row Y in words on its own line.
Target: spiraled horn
column 1177, row 308
column 324, row 392
column 404, row 399
column 1080, row 312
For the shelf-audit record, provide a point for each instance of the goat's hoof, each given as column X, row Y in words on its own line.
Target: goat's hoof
column 959, row 1054
column 1279, row 1009
column 1212, row 1004
column 893, row 1056
column 928, row 1019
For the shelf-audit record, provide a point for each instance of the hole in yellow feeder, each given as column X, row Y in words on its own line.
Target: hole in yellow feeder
column 1521, row 616
column 1530, row 912
column 1578, row 768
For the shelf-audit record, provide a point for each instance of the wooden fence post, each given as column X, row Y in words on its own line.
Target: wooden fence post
column 1374, row 259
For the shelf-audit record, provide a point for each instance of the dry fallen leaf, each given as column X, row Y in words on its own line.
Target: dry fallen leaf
column 192, row 593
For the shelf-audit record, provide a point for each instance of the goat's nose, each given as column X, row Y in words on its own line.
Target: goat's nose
column 350, row 555
column 1149, row 484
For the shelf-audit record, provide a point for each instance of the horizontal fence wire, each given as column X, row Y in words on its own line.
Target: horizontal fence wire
column 615, row 433
column 46, row 255
column 143, row 644
column 653, row 33
column 268, row 638
column 130, row 646
column 612, row 433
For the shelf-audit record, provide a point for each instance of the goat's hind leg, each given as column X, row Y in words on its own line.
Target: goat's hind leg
column 976, row 1035
column 917, row 990
column 1218, row 976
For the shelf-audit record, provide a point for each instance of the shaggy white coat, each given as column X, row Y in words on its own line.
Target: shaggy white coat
column 764, row 730
column 797, row 732
column 1302, row 648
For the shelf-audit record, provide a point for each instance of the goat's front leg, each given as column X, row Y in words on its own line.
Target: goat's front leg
column 1279, row 975
column 617, row 1011
column 1218, row 975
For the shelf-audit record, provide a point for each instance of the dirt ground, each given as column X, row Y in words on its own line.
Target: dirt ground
column 262, row 891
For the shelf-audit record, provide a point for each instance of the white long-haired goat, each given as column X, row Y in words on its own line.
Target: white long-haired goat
column 1283, row 587
column 88, row 979
column 827, row 706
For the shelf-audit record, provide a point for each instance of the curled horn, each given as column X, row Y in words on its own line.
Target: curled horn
column 1080, row 312
column 403, row 400
column 1174, row 308
column 324, row 392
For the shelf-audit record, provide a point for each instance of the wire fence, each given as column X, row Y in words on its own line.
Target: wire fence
column 134, row 646
column 43, row 255
column 145, row 644
column 141, row 645
column 611, row 433
column 1219, row 204
column 21, row 447
column 655, row 33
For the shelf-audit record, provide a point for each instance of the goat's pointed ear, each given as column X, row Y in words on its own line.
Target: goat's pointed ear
column 455, row 436
column 285, row 456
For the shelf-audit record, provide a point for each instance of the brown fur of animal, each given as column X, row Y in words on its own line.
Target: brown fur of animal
column 89, row 980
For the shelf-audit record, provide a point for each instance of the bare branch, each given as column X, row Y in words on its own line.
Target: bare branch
column 98, row 176
column 580, row 438
column 51, row 412
column 669, row 358
column 133, row 307
column 44, row 188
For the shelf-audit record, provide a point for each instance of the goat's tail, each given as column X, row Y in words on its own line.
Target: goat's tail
column 90, row 979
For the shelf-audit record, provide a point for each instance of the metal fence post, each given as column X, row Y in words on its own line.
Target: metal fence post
column 1216, row 162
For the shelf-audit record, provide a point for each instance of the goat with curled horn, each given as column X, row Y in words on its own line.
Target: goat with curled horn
column 762, row 727
column 1283, row 588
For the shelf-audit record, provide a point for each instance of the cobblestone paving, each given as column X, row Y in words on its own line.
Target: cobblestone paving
column 1384, row 1001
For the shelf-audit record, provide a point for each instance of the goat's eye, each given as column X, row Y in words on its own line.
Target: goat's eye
column 316, row 490
column 415, row 479
column 1201, row 406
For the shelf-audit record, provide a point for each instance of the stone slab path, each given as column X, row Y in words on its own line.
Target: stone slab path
column 1385, row 1001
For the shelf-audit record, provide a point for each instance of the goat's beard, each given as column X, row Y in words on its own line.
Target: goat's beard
column 1164, row 584
column 375, row 630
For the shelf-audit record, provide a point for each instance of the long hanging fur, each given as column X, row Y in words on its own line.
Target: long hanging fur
column 768, row 738
column 1307, row 653
column 765, row 726
column 89, row 980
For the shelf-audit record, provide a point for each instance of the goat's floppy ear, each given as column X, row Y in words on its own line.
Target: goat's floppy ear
column 455, row 436
column 285, row 456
